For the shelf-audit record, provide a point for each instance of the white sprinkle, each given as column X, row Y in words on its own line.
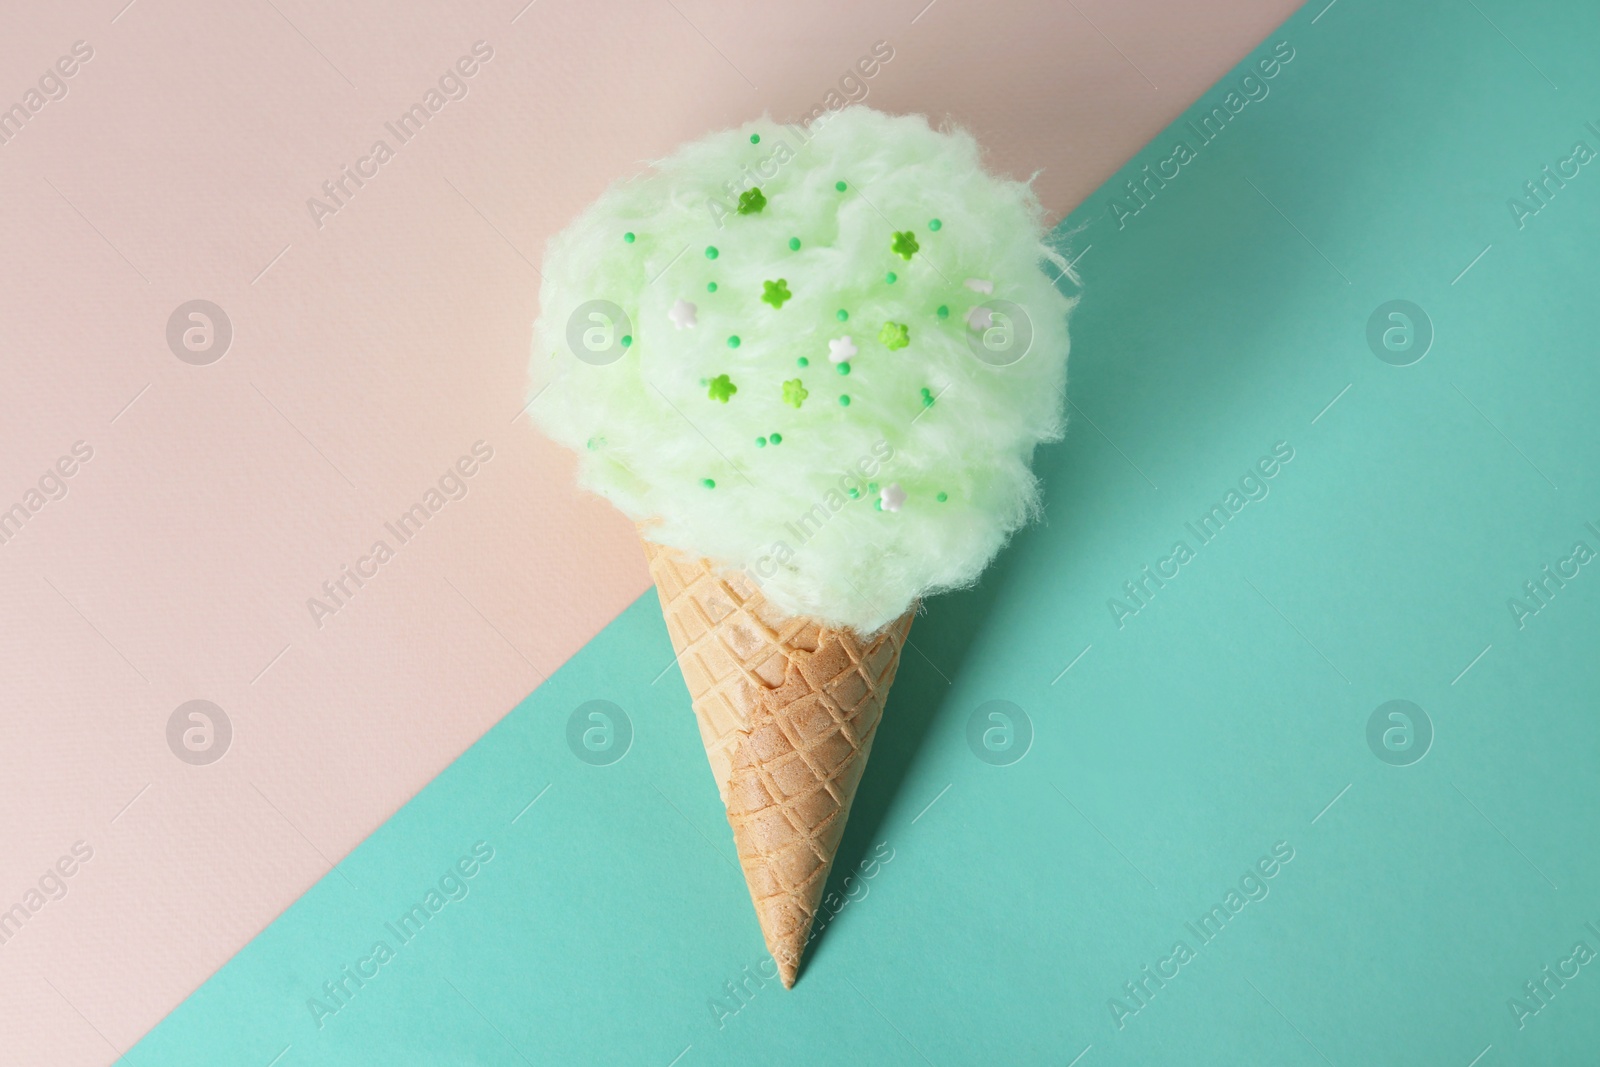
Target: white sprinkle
column 841, row 349
column 979, row 285
column 892, row 496
column 682, row 314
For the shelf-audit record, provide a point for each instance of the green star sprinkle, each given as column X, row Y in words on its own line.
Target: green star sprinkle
column 628, row 237
column 775, row 293
column 895, row 335
column 761, row 442
column 708, row 483
column 751, row 201
column 711, row 287
column 711, row 251
column 842, row 315
column 942, row 497
column 776, row 438
column 891, row 277
column 794, row 392
column 844, row 400
column 840, row 186
column 904, row 244
column 721, row 388
column 943, row 312
column 733, row 341
column 935, row 225
column 755, row 138
column 844, row 368
column 802, row 362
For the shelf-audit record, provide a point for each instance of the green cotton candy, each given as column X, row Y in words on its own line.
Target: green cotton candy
column 900, row 480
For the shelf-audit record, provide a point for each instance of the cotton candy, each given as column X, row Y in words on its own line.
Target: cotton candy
column 837, row 389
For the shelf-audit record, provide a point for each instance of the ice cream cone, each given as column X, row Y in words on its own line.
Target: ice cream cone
column 788, row 708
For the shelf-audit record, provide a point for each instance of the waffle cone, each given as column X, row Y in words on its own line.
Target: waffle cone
column 788, row 708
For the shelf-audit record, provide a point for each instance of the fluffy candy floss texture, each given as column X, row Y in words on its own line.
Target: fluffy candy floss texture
column 722, row 416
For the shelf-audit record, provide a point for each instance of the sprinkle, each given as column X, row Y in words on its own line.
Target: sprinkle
column 761, row 442
column 877, row 505
column 794, row 244
column 895, row 335
column 841, row 349
column 708, row 483
column 777, row 438
column 839, row 186
column 891, row 277
column 751, row 201
column 721, row 388
column 872, row 487
column 682, row 314
column 904, row 244
column 942, row 497
column 943, row 312
column 628, row 237
column 844, row 368
column 979, row 285
column 595, row 443
column 775, row 293
column 844, row 400
column 935, row 225
column 927, row 397
column 853, row 493
column 711, row 287
column 627, row 339
column 733, row 341
column 893, row 496
column 842, row 315
column 711, row 251
column 755, row 138
column 802, row 362
column 794, row 392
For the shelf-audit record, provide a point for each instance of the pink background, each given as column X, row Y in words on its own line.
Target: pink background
column 367, row 355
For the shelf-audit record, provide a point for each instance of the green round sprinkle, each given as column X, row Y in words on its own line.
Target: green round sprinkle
column 711, row 251
column 733, row 341
column 708, row 483
column 839, row 186
column 891, row 277
column 934, row 224
column 942, row 497
column 628, row 237
column 844, row 368
column 711, row 287
column 854, row 493
column 755, row 138
column 627, row 339
column 877, row 505
column 943, row 312
column 844, row 400
column 872, row 487
column 776, row 438
column 761, row 442
column 803, row 362
column 794, row 244
column 927, row 401
column 842, row 315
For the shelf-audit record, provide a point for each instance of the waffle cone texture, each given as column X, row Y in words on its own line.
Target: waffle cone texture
column 788, row 708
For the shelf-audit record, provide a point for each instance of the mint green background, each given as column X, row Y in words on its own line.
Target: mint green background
column 1220, row 720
